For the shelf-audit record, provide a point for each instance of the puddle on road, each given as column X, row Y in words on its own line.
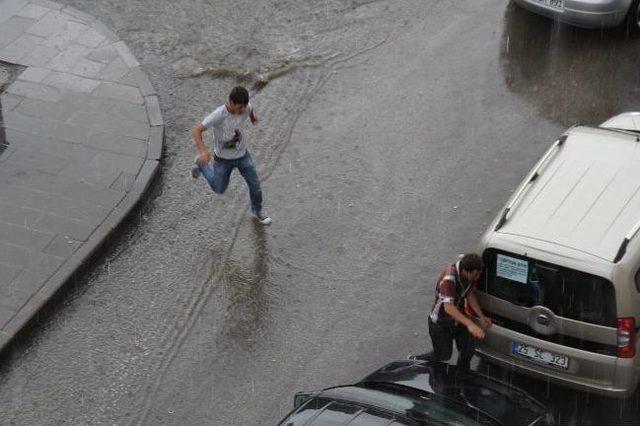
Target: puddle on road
column 571, row 75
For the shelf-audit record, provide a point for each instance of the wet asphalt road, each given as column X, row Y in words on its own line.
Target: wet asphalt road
column 390, row 134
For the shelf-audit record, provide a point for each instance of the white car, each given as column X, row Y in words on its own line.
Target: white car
column 589, row 13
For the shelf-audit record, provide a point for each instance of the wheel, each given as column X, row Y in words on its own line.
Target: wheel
column 633, row 19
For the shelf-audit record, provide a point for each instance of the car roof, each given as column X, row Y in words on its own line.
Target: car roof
column 586, row 197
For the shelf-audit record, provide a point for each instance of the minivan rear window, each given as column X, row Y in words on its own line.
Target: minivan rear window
column 567, row 292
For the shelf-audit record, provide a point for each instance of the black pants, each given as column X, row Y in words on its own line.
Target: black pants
column 442, row 337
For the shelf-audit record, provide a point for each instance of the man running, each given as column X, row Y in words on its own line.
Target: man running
column 229, row 149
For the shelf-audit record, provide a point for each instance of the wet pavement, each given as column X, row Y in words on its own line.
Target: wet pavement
column 391, row 133
column 81, row 136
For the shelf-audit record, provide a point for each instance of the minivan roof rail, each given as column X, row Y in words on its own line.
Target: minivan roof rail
column 534, row 175
column 623, row 247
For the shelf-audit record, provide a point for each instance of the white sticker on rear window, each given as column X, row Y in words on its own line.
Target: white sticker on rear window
column 512, row 269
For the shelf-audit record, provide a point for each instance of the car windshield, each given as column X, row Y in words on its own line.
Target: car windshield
column 567, row 292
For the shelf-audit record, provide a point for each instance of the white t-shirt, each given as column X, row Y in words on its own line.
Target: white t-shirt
column 224, row 126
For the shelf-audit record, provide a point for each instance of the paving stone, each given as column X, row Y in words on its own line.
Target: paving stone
column 90, row 175
column 14, row 28
column 125, row 127
column 6, row 313
column 114, row 71
column 8, row 273
column 68, row 132
column 72, row 228
column 119, row 91
column 53, row 203
column 51, row 23
column 146, row 88
column 44, row 109
column 103, row 54
column 34, row 91
column 41, row 268
column 25, row 163
column 9, row 101
column 48, row 4
column 15, row 298
column 153, row 110
column 16, row 256
column 90, row 38
column 105, row 31
column 156, row 142
column 51, row 128
column 24, row 237
column 33, row 11
column 22, row 140
column 101, row 122
column 54, row 147
column 111, row 161
column 87, row 68
column 129, row 79
column 69, row 32
column 78, row 14
column 11, row 8
column 119, row 144
column 71, row 82
column 19, row 48
column 69, row 58
column 40, row 56
column 18, row 215
column 62, row 246
column 126, row 54
column 124, row 182
column 34, row 74
column 61, row 185
column 125, row 110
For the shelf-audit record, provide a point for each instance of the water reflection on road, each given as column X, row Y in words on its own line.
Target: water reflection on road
column 571, row 75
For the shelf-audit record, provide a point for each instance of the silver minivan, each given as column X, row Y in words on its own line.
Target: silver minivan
column 588, row 13
column 562, row 279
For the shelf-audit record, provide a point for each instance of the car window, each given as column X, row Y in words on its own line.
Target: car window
column 567, row 292
column 638, row 280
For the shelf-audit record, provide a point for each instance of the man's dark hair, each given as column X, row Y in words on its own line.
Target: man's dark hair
column 471, row 262
column 239, row 95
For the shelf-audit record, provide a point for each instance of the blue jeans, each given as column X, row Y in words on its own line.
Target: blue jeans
column 218, row 177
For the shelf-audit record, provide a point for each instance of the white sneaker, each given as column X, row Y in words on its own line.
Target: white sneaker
column 263, row 218
column 195, row 169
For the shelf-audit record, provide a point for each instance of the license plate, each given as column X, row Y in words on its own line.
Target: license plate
column 556, row 4
column 539, row 355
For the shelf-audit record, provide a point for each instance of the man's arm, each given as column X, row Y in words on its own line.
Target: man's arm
column 473, row 302
column 205, row 155
column 253, row 117
column 458, row 316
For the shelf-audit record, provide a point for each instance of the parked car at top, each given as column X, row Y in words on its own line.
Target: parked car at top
column 562, row 279
column 588, row 13
column 412, row 392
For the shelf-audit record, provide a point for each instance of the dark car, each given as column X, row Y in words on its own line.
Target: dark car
column 413, row 392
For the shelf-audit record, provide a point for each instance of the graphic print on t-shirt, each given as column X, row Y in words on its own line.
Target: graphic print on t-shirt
column 228, row 142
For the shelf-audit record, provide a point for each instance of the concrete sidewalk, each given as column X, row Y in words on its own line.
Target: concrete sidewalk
column 81, row 136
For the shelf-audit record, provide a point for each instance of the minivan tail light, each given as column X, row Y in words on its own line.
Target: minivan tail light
column 626, row 337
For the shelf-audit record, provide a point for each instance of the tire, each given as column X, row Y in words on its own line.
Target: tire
column 633, row 19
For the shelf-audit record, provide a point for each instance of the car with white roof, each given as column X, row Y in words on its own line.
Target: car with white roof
column 562, row 279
